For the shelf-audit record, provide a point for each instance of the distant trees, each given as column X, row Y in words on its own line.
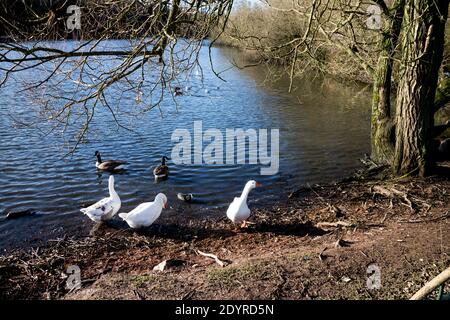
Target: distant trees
column 402, row 44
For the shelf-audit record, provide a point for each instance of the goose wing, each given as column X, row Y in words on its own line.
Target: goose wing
column 99, row 209
column 143, row 215
column 134, row 212
column 140, row 210
column 238, row 210
column 161, row 170
column 111, row 164
column 233, row 208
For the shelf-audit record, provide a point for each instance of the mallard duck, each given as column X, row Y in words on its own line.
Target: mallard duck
column 108, row 165
column 187, row 197
column 106, row 208
column 238, row 210
column 161, row 171
column 145, row 213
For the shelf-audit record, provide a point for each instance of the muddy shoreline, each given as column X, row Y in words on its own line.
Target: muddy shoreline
column 316, row 244
column 178, row 213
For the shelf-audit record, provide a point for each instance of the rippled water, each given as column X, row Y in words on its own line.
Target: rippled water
column 324, row 129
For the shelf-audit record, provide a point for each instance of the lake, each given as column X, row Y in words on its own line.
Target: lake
column 324, row 129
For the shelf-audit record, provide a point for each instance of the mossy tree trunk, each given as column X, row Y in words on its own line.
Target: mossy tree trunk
column 442, row 93
column 381, row 122
column 422, row 51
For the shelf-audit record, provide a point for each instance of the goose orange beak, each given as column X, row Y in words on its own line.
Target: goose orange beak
column 166, row 205
column 259, row 184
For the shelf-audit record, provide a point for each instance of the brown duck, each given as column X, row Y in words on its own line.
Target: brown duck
column 161, row 171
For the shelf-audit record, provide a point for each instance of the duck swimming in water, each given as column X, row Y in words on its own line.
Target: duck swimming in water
column 161, row 171
column 108, row 165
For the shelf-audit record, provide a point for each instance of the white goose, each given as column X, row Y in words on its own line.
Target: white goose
column 106, row 208
column 238, row 210
column 146, row 213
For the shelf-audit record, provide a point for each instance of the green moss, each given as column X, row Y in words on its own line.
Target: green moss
column 138, row 280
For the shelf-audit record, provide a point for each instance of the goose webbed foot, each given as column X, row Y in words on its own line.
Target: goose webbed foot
column 244, row 225
column 241, row 228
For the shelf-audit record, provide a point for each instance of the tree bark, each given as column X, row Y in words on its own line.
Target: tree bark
column 382, row 137
column 423, row 44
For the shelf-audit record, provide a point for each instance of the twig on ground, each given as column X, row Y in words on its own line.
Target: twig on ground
column 334, row 224
column 318, row 195
column 212, row 256
column 394, row 193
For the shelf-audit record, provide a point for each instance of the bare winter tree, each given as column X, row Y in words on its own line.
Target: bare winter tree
column 72, row 80
column 364, row 39
column 368, row 40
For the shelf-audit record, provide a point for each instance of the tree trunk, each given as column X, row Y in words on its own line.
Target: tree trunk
column 423, row 44
column 382, row 124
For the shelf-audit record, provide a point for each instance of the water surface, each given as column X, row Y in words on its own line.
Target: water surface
column 324, row 130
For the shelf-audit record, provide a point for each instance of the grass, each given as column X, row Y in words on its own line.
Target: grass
column 232, row 276
column 139, row 280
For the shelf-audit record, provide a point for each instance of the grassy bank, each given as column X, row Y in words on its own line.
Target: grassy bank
column 316, row 244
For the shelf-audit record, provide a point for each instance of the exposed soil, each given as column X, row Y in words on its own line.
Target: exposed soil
column 400, row 225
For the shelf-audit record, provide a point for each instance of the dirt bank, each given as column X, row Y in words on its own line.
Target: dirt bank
column 317, row 244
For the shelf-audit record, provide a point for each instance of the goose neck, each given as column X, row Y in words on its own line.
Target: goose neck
column 112, row 190
column 245, row 193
